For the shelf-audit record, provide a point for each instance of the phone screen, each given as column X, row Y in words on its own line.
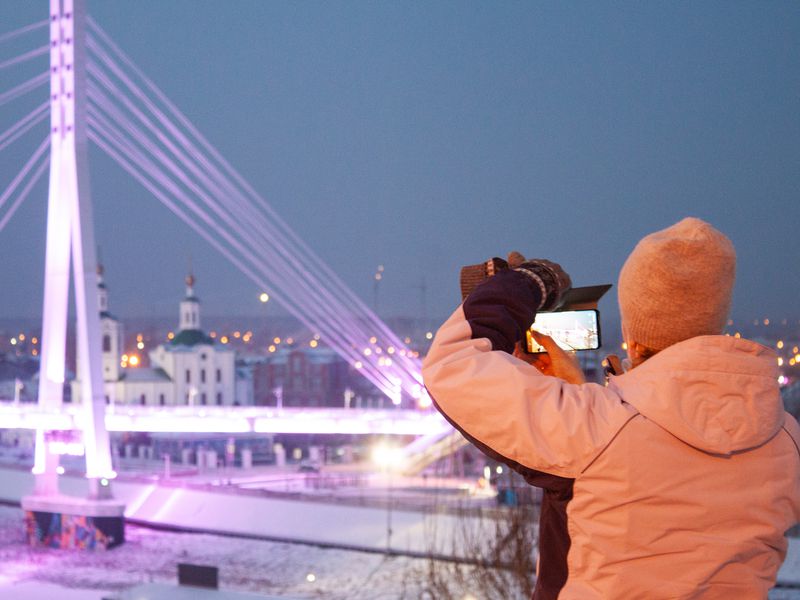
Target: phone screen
column 571, row 329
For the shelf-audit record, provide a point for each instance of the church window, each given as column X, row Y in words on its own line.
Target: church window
column 108, row 400
column 188, row 376
column 203, row 399
column 106, row 343
column 161, row 399
column 219, row 397
column 202, row 375
column 219, row 375
column 142, row 399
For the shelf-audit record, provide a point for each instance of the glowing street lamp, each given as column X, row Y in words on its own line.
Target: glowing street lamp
column 378, row 276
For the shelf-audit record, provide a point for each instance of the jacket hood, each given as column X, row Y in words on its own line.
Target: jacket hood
column 717, row 393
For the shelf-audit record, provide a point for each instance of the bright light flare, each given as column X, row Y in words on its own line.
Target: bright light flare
column 65, row 448
column 264, row 297
column 387, row 457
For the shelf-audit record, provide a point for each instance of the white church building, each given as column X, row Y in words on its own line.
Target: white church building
column 189, row 369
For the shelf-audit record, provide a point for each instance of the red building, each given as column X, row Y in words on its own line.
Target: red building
column 300, row 377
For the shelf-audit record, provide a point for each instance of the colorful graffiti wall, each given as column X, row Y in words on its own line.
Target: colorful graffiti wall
column 56, row 530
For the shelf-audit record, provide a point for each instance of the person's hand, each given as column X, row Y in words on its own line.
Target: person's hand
column 556, row 362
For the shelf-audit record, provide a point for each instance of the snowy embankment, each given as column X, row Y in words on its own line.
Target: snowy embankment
column 375, row 529
column 289, row 571
column 310, row 522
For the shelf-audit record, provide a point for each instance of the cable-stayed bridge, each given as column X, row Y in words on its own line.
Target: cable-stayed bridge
column 98, row 95
column 129, row 118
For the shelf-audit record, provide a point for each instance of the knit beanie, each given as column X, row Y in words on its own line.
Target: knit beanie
column 677, row 284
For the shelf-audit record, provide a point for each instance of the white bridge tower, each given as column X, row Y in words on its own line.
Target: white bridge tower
column 70, row 242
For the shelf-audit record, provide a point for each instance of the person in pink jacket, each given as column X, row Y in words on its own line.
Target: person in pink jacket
column 680, row 477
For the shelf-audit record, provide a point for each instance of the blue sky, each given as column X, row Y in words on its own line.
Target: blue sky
column 428, row 135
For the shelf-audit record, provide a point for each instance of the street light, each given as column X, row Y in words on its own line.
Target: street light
column 389, row 459
column 378, row 277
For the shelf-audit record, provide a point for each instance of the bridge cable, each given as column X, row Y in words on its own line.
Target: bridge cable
column 20, row 176
column 24, row 125
column 124, row 154
column 412, row 366
column 5, row 37
column 24, row 57
column 198, row 173
column 24, row 87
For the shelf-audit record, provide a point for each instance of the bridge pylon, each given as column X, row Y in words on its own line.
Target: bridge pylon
column 70, row 243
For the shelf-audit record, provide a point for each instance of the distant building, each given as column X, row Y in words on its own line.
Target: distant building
column 300, row 377
column 19, row 378
column 189, row 369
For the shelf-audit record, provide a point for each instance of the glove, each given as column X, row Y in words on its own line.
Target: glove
column 552, row 280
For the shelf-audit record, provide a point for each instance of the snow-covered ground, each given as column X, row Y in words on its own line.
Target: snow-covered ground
column 245, row 565
column 333, row 522
column 210, row 501
column 290, row 570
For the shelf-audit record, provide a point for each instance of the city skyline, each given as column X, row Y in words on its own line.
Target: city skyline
column 419, row 138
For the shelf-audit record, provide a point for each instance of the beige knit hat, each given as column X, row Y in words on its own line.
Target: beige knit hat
column 677, row 284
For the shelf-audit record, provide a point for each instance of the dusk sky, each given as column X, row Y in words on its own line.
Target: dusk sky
column 424, row 136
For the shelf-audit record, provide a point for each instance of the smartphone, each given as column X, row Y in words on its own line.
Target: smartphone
column 571, row 329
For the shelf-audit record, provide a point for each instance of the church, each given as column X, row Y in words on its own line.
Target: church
column 189, row 369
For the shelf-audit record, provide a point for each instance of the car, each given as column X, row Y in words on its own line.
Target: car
column 308, row 466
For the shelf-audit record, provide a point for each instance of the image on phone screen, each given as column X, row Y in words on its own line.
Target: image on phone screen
column 571, row 330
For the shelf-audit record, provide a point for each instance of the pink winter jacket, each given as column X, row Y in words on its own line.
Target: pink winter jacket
column 685, row 471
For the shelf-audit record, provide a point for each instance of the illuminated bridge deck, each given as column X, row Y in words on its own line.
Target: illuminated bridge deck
column 220, row 419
